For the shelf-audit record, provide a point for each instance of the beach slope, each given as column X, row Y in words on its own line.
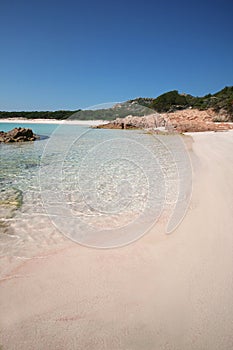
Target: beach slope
column 164, row 292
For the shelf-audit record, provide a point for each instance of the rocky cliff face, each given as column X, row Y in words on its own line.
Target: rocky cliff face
column 17, row 135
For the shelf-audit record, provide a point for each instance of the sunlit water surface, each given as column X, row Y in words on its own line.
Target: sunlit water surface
column 76, row 177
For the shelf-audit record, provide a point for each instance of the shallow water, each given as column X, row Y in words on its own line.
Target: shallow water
column 101, row 188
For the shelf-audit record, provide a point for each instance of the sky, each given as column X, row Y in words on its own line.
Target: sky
column 74, row 54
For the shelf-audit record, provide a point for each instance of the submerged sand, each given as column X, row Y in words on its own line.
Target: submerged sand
column 162, row 292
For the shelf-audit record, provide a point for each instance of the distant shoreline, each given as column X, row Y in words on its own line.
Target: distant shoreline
column 54, row 121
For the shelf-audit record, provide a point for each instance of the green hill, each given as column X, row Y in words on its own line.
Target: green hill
column 221, row 102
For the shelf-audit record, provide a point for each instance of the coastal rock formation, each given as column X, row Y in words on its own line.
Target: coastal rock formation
column 188, row 120
column 17, row 135
column 151, row 121
column 194, row 120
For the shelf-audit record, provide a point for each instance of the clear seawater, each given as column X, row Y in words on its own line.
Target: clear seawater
column 102, row 188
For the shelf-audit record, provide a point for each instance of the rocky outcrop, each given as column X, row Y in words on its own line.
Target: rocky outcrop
column 188, row 120
column 194, row 120
column 152, row 121
column 17, row 135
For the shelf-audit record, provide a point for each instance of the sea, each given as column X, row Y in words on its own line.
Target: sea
column 97, row 188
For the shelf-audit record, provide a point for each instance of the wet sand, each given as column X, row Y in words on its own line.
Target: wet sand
column 163, row 292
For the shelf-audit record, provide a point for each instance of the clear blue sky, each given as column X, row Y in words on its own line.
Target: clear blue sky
column 74, row 54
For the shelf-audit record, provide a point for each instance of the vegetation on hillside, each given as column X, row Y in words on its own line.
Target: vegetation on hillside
column 221, row 102
column 38, row 115
column 118, row 111
column 168, row 101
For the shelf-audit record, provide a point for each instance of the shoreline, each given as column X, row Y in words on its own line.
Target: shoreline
column 53, row 121
column 97, row 123
column 170, row 291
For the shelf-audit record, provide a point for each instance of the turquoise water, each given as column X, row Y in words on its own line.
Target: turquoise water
column 101, row 188
column 40, row 129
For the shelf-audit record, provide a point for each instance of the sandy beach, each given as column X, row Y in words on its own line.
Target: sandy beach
column 53, row 121
column 163, row 292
